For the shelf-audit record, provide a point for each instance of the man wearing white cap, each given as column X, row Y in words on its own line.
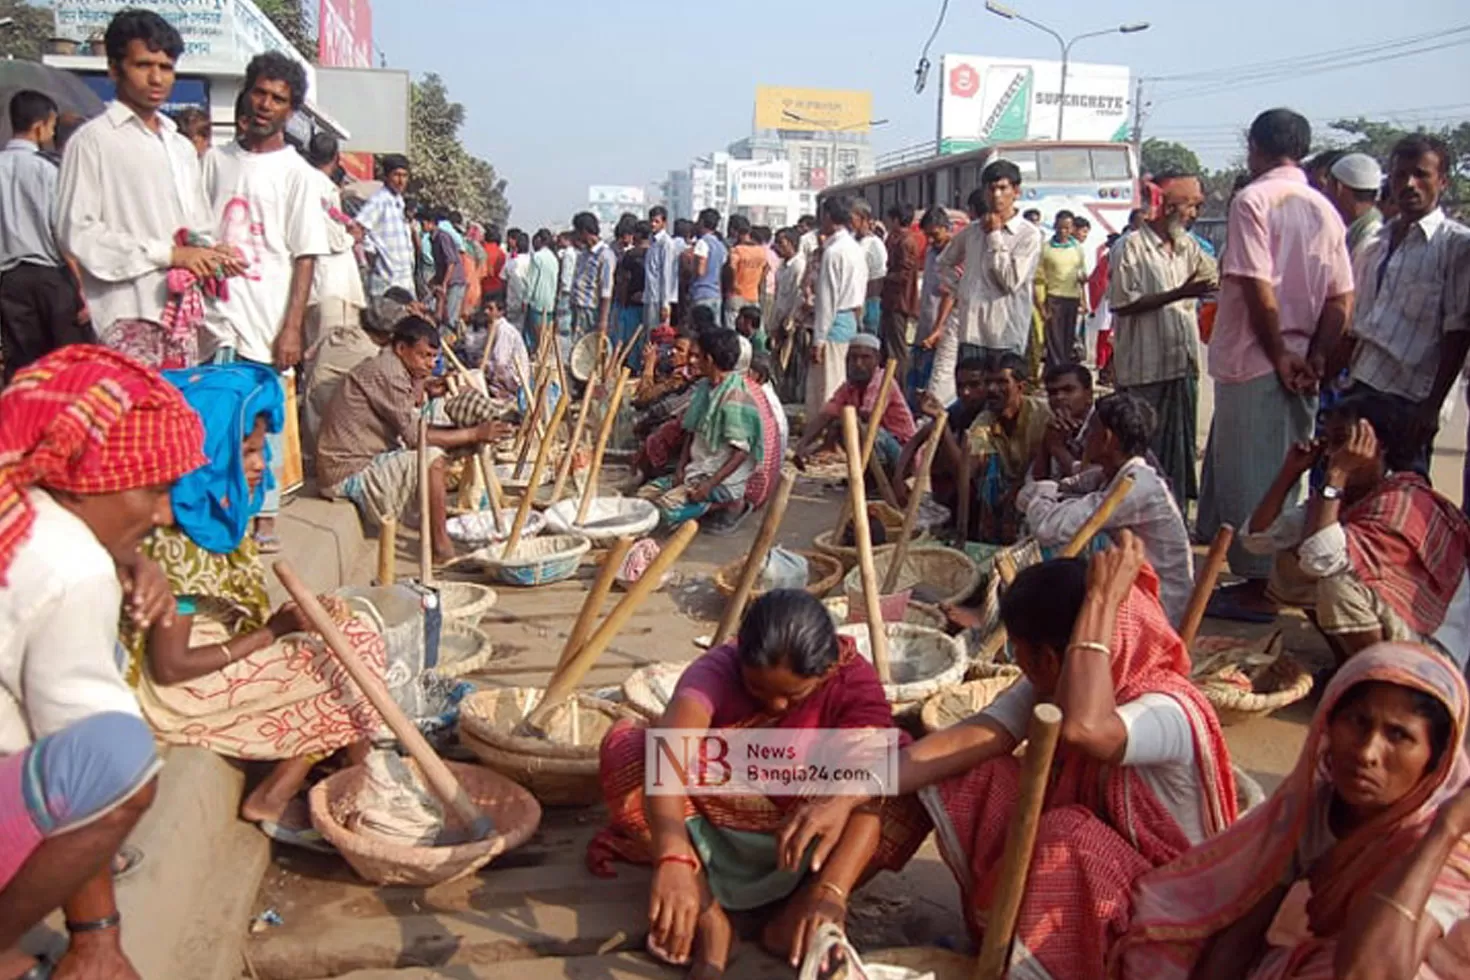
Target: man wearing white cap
column 860, row 390
column 1352, row 185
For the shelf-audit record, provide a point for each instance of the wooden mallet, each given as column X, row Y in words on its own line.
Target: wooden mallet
column 435, row 772
column 568, row 461
column 1204, row 584
column 529, row 496
column 426, row 563
column 911, row 512
column 1000, row 929
column 388, row 551
column 962, row 503
column 756, row 560
column 531, row 423
column 870, row 440
column 607, row 574
column 877, row 630
column 603, row 432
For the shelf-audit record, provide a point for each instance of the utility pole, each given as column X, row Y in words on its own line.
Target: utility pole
column 1138, row 121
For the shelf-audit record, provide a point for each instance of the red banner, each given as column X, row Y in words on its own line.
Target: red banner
column 345, row 34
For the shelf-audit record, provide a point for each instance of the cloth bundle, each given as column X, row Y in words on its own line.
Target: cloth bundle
column 394, row 805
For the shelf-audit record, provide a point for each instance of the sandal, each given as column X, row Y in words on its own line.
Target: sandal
column 723, row 523
column 1223, row 605
column 308, row 838
column 125, row 862
column 43, row 970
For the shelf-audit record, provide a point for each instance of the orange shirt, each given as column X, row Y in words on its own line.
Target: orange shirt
column 748, row 264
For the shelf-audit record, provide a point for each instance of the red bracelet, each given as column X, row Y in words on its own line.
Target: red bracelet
column 677, row 859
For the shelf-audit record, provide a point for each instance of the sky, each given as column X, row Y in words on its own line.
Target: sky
column 560, row 96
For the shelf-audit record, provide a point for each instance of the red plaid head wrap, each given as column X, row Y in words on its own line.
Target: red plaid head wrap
column 88, row 420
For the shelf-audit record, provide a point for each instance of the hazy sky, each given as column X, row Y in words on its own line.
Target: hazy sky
column 565, row 94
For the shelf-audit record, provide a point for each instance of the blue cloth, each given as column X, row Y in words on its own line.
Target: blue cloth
column 707, row 286
column 213, row 505
column 844, row 328
column 872, row 315
column 84, row 771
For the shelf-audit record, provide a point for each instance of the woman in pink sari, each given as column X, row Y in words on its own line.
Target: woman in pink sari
column 1357, row 867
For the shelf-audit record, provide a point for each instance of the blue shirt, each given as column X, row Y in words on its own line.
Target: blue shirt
column 390, row 241
column 662, row 269
column 27, row 201
column 707, row 286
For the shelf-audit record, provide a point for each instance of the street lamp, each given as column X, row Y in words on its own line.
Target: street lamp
column 1001, row 10
column 833, row 130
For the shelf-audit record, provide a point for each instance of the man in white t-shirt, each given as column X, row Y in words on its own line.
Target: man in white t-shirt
column 268, row 208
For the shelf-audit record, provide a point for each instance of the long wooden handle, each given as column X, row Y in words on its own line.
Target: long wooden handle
column 388, row 551
column 564, row 470
column 426, row 564
column 1204, row 584
column 530, row 423
column 1099, row 517
column 436, row 773
column 962, row 517
column 870, row 440
column 529, row 496
column 1041, row 745
column 485, row 466
column 756, row 560
column 592, row 605
column 570, row 674
column 911, row 512
column 877, row 631
column 605, row 430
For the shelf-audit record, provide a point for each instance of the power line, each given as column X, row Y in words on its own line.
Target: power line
column 1295, row 62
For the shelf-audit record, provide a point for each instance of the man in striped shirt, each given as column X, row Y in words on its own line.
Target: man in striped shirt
column 592, row 283
column 661, row 290
column 388, row 237
column 1411, row 328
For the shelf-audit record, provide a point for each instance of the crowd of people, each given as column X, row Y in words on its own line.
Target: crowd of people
column 167, row 305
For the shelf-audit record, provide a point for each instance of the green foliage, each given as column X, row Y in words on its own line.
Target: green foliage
column 1164, row 156
column 25, row 38
column 290, row 20
column 1378, row 138
column 444, row 173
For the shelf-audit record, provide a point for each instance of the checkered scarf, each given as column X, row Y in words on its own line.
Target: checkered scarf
column 88, row 420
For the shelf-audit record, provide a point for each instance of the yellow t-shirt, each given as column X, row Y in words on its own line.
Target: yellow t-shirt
column 1061, row 269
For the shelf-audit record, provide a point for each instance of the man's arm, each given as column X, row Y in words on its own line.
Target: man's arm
column 1012, row 267
column 289, row 342
column 488, row 432
column 1332, row 326
column 736, row 459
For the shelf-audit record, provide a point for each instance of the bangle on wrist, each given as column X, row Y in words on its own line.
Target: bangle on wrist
column 836, row 890
column 1101, row 648
column 94, row 925
column 686, row 859
column 1397, row 906
column 227, row 657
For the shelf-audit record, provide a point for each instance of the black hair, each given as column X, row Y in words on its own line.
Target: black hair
column 28, row 108
column 133, row 24
column 1009, row 361
column 1390, row 421
column 683, row 228
column 321, row 149
column 935, row 217
column 789, row 235
column 1323, row 161
column 456, row 218
column 585, row 223
column 1000, row 170
column 701, row 318
column 1130, row 418
column 1042, row 603
column 625, row 225
column 788, row 628
column 242, row 105
column 975, row 362
column 809, row 220
column 1063, row 215
column 522, row 240
column 398, row 295
column 900, row 212
column 540, row 240
column 838, row 210
column 1421, row 703
column 1134, row 215
column 412, row 329
column 658, row 211
column 738, row 224
column 276, row 66
column 1080, row 222
column 1281, row 134
column 1029, row 212
column 642, row 231
column 721, row 346
column 1058, row 371
column 976, row 203
column 762, row 234
column 709, row 219
column 492, row 233
column 191, row 118
column 1417, row 144
column 751, row 314
column 760, row 367
column 392, row 162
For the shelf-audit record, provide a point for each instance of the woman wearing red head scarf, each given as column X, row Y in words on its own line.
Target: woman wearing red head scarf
column 90, row 442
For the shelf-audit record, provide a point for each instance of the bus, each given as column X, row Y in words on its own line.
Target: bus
column 1095, row 180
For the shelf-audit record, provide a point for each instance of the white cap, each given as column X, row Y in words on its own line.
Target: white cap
column 865, row 340
column 1358, row 171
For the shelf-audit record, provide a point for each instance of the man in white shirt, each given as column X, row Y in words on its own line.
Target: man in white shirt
column 875, row 253
column 841, row 288
column 268, row 207
column 997, row 253
column 129, row 184
column 661, row 289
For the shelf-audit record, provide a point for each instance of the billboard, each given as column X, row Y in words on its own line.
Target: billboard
column 817, row 110
column 761, row 185
column 987, row 100
column 345, row 34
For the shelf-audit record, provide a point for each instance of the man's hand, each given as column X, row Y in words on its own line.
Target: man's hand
column 287, row 620
column 1296, row 374
column 204, row 263
column 147, row 596
column 932, row 341
column 492, row 432
column 1195, row 288
column 95, row 956
column 1358, row 452
column 820, row 821
column 818, row 354
column 1302, row 456
column 932, row 406
column 1112, row 572
column 286, row 352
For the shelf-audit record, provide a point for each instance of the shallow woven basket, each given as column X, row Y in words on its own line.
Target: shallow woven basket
column 584, row 356
column 823, row 572
column 921, row 661
column 508, row 479
column 515, row 813
column 558, row 771
column 463, row 648
column 1281, row 683
column 607, row 518
column 465, row 601
column 892, row 519
column 950, row 707
column 950, row 577
column 537, row 561
column 917, row 613
column 477, row 527
column 649, row 689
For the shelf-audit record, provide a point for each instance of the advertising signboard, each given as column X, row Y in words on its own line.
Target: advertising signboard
column 345, row 33
column 988, row 100
column 217, row 31
column 761, row 185
column 812, row 110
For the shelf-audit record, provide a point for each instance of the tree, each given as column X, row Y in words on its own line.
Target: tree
column 290, row 20
column 445, row 175
column 1377, row 139
column 1164, row 156
column 25, row 38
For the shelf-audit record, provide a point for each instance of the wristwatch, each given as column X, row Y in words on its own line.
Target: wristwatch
column 1329, row 492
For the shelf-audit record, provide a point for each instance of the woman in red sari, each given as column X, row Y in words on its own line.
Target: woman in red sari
column 788, row 671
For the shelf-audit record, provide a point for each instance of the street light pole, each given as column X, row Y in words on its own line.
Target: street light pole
column 832, row 129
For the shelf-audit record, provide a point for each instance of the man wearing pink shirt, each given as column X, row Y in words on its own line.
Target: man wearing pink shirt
column 1285, row 297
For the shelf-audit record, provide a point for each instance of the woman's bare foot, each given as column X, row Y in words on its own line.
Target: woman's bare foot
column 292, row 815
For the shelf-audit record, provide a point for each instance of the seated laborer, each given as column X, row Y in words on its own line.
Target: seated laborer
column 1114, row 444
column 1357, row 866
column 767, row 474
column 1002, row 443
column 762, row 373
column 787, row 671
column 1376, row 554
column 1069, row 395
column 860, row 390
column 226, row 672
column 723, row 442
column 969, row 383
column 507, row 366
column 664, row 391
column 748, row 325
column 90, row 441
column 1141, row 771
column 367, row 452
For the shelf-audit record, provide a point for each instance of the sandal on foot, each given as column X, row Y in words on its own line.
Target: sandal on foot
column 125, row 862
column 724, row 523
column 267, row 544
column 308, row 838
column 1223, row 605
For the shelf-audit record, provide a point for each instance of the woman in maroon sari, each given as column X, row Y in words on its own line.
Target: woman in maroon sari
column 789, row 671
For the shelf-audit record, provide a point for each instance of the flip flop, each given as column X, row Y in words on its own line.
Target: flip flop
column 1223, row 605
column 267, row 544
column 125, row 862
column 308, row 838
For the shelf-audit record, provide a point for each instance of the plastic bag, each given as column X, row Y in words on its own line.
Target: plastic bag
column 783, row 570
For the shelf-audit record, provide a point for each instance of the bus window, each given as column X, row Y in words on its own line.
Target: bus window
column 930, row 195
column 1110, row 164
column 1064, row 165
column 1025, row 161
column 911, row 196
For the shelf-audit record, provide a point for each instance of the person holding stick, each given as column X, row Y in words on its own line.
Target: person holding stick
column 860, row 390
column 787, row 671
column 1142, row 772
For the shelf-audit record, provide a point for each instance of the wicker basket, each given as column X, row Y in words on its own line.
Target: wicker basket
column 508, row 479
column 477, row 527
column 648, row 690
column 917, row 613
column 583, row 361
column 936, row 574
column 921, row 661
column 950, row 707
column 607, row 518
column 1277, row 678
column 537, row 561
column 465, row 601
column 559, row 770
column 515, row 813
column 823, row 572
column 892, row 519
column 463, row 649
